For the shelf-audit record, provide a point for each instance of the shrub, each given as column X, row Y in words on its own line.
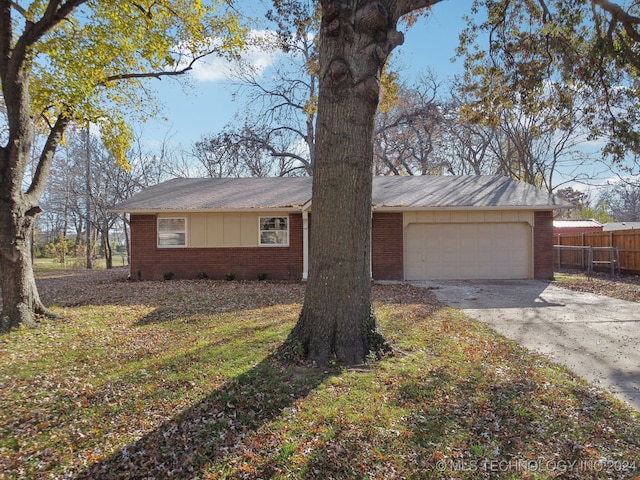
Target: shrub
column 202, row 276
column 262, row 276
column 168, row 275
column 230, row 276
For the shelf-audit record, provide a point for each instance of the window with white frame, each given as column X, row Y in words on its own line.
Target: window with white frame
column 172, row 232
column 274, row 231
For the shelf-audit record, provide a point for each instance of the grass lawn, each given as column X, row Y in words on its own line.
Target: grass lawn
column 51, row 267
column 174, row 379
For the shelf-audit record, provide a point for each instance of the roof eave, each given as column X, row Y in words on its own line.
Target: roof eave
column 465, row 207
column 306, row 206
column 150, row 211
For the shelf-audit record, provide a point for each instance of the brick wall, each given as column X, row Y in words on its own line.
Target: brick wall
column 543, row 245
column 148, row 262
column 387, row 259
column 285, row 263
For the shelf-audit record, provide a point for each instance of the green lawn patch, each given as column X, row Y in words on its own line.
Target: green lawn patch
column 176, row 380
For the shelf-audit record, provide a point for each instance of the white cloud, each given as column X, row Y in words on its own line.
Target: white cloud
column 259, row 55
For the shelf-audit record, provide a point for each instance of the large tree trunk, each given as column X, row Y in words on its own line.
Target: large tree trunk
column 20, row 300
column 18, row 209
column 336, row 317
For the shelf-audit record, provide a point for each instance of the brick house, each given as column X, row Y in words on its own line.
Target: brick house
column 423, row 227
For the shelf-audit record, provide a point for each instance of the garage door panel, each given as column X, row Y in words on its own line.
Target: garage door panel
column 467, row 251
column 467, row 244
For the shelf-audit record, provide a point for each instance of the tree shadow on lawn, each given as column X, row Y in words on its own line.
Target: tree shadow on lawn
column 469, row 428
column 518, row 426
column 213, row 428
column 435, row 423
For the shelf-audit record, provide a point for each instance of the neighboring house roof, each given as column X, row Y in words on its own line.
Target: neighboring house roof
column 578, row 223
column 612, row 226
column 393, row 192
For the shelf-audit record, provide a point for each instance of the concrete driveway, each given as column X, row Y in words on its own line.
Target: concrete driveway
column 597, row 337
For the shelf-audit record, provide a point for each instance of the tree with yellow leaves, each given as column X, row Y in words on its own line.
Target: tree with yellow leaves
column 82, row 61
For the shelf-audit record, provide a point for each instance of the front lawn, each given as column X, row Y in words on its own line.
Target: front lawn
column 175, row 380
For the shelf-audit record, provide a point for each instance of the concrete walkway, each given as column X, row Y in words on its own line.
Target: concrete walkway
column 597, row 337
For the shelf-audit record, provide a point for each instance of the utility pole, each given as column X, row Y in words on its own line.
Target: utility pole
column 88, row 198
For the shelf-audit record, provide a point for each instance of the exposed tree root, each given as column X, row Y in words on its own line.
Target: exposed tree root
column 298, row 347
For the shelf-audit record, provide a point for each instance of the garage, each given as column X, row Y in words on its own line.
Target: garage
column 467, row 251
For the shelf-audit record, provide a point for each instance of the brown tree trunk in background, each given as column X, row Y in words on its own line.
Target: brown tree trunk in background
column 88, row 237
column 108, row 254
column 336, row 317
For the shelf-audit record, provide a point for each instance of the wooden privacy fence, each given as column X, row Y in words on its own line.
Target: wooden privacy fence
column 617, row 251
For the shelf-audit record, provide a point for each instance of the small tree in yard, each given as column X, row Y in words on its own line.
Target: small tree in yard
column 80, row 61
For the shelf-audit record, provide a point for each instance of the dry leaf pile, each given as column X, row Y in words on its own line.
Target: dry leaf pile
column 626, row 287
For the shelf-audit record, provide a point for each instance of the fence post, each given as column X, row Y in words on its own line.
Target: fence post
column 611, row 260
column 560, row 250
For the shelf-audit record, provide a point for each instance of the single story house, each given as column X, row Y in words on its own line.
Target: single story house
column 576, row 226
column 423, row 227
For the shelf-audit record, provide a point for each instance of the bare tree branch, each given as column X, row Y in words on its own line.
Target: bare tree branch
column 618, row 14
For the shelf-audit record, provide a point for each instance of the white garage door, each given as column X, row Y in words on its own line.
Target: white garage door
column 460, row 251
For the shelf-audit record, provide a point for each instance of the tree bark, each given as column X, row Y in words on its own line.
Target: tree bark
column 336, row 319
column 108, row 254
column 20, row 300
column 18, row 209
column 89, row 256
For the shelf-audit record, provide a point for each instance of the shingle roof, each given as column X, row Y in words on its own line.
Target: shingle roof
column 186, row 194
column 221, row 193
column 475, row 191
